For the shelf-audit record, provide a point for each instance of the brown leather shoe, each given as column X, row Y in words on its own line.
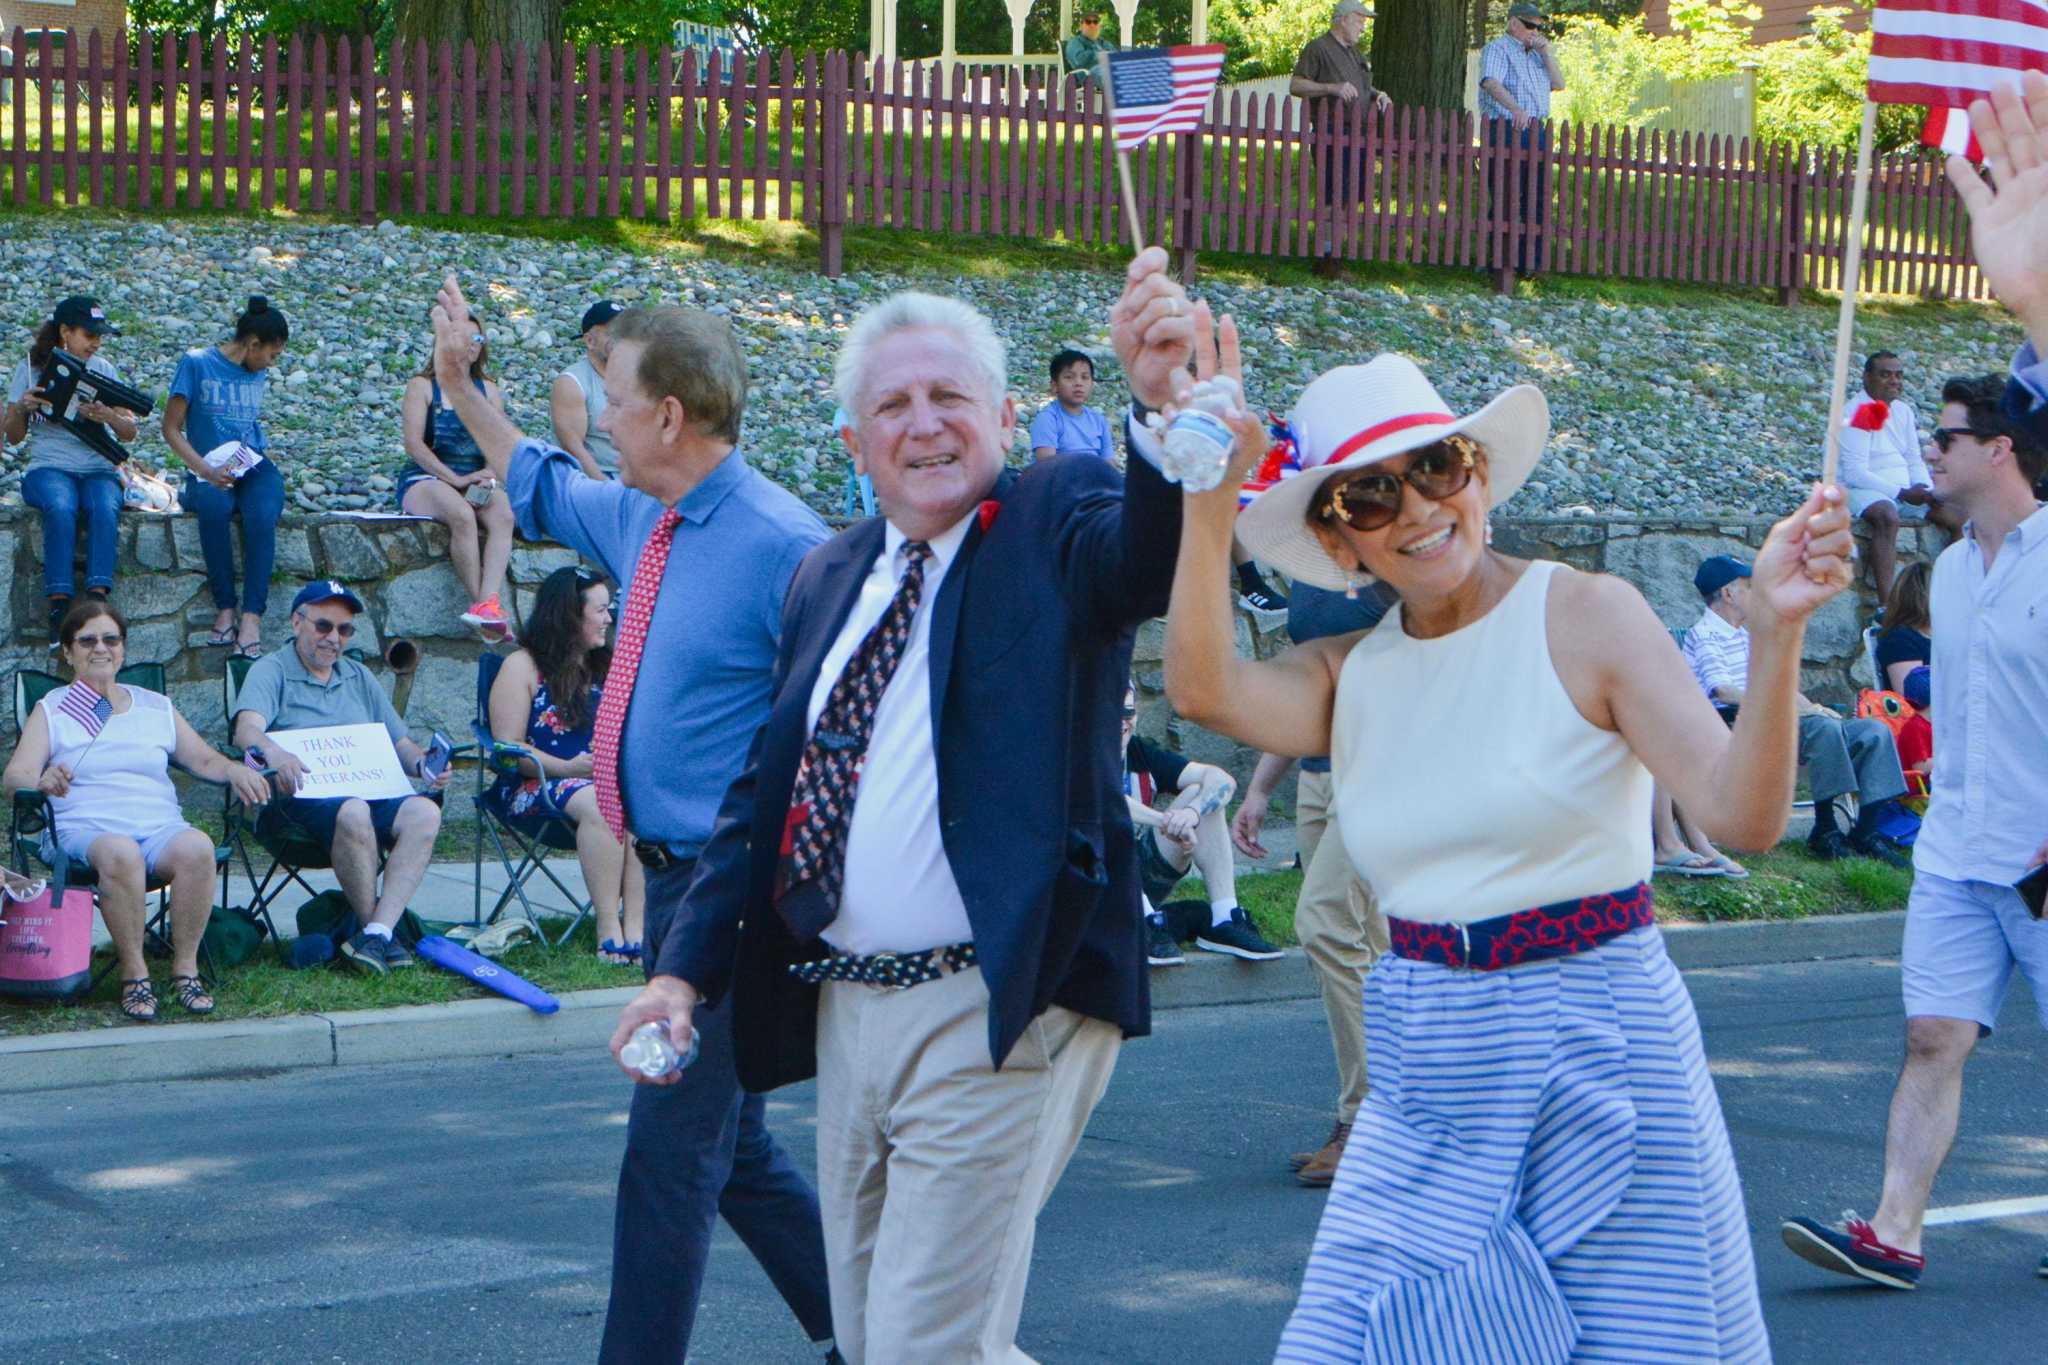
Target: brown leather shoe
column 1298, row 1160
column 1321, row 1167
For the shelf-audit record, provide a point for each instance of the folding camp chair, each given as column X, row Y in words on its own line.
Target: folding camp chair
column 32, row 821
column 557, row 832
column 291, row 852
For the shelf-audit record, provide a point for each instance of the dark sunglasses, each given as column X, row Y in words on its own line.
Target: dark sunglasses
column 94, row 641
column 1366, row 502
column 1944, row 435
column 323, row 627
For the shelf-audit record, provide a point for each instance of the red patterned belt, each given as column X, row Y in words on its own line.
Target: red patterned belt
column 1525, row 936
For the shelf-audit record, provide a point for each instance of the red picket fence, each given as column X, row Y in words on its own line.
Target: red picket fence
column 831, row 140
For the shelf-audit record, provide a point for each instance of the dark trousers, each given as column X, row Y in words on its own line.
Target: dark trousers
column 696, row 1151
column 258, row 496
column 1529, row 183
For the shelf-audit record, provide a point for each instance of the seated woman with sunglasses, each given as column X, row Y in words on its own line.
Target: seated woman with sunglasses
column 545, row 701
column 1540, row 1170
column 101, row 751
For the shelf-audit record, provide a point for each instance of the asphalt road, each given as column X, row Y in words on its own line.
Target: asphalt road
column 435, row 1212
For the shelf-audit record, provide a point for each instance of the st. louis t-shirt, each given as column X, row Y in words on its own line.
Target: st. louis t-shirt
column 224, row 401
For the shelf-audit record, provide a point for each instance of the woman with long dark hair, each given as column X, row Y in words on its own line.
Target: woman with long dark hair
column 545, row 701
column 445, row 479
column 67, row 480
column 216, row 402
column 1906, row 641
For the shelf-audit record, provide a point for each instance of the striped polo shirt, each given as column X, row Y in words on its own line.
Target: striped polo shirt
column 1717, row 652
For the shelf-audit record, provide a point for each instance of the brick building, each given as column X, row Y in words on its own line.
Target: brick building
column 107, row 16
column 1782, row 18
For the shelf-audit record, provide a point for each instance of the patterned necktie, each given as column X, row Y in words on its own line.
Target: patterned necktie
column 812, row 871
column 618, row 683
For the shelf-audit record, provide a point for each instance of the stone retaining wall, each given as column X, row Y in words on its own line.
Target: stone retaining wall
column 400, row 568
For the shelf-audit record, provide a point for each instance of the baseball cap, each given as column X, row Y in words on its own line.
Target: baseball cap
column 1717, row 572
column 1527, row 11
column 80, row 311
column 1345, row 7
column 600, row 313
column 327, row 590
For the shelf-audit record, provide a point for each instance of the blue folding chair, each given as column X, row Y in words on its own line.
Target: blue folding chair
column 557, row 832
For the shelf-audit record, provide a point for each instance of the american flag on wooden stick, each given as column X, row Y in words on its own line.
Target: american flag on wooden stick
column 1161, row 90
column 1946, row 53
column 91, row 710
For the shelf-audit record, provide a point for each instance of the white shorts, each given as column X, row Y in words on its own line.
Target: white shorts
column 1963, row 940
column 77, row 843
column 1861, row 500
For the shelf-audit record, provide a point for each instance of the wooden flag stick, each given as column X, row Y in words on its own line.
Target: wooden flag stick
column 1852, row 278
column 1123, row 158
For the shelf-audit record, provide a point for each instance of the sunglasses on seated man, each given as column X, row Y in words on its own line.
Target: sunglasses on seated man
column 321, row 626
column 1366, row 502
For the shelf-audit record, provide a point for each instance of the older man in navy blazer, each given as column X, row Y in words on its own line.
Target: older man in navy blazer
column 923, row 889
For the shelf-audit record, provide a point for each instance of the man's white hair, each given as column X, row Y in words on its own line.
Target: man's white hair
column 899, row 312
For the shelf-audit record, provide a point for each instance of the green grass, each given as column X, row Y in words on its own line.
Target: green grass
column 264, row 988
column 1786, row 883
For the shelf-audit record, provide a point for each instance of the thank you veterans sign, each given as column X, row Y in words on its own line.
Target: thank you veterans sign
column 345, row 760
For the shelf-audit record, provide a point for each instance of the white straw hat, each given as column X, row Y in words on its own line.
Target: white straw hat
column 1356, row 415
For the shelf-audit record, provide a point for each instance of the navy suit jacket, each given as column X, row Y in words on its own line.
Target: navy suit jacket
column 1030, row 653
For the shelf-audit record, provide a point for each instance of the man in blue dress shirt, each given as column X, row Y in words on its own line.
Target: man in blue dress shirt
column 675, row 389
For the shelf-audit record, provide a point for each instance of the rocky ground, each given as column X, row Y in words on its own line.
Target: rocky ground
column 1713, row 405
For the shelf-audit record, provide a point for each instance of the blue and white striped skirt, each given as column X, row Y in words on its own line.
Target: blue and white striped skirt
column 1540, row 1173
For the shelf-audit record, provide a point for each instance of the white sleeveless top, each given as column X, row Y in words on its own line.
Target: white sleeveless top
column 1467, row 783
column 121, row 782
column 597, row 442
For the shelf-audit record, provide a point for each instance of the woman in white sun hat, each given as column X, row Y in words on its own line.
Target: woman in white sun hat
column 1540, row 1171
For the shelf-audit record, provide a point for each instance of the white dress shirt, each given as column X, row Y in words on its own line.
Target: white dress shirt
column 1886, row 461
column 1989, row 810
column 899, row 895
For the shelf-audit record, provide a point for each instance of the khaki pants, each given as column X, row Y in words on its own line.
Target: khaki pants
column 932, row 1165
column 1341, row 930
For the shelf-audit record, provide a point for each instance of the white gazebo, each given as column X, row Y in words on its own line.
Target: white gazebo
column 882, row 30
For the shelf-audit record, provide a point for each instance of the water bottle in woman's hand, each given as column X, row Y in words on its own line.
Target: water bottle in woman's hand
column 650, row 1052
column 1198, row 440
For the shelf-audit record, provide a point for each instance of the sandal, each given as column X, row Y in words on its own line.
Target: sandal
column 252, row 650
column 138, row 1000
column 632, row 951
column 618, row 954
column 192, row 995
column 224, row 636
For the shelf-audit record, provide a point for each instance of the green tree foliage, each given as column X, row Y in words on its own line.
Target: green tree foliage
column 1808, row 89
column 1264, row 37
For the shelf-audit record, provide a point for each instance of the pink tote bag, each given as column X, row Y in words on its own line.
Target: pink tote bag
column 46, row 945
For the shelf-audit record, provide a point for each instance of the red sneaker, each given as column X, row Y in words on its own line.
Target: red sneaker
column 1852, row 1249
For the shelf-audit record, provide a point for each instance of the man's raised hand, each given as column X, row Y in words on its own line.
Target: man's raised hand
column 2009, row 213
column 452, row 331
column 1153, row 329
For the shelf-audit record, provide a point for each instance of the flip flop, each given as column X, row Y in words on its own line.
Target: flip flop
column 252, row 650
column 622, row 954
column 1731, row 869
column 221, row 637
column 1690, row 865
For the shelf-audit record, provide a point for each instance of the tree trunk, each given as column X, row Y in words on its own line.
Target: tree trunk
column 1418, row 51
column 528, row 24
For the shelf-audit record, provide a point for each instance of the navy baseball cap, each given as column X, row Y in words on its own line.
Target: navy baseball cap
column 600, row 313
column 327, row 590
column 80, row 311
column 1717, row 572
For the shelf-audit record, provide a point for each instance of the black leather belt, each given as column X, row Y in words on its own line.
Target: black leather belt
column 656, row 857
column 892, row 971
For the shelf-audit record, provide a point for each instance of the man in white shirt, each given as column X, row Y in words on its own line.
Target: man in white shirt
column 1840, row 756
column 1987, row 825
column 1884, row 471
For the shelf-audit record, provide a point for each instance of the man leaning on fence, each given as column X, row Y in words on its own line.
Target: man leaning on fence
column 1330, row 76
column 1518, row 73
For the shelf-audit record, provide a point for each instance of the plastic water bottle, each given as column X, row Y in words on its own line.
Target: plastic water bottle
column 650, row 1052
column 1198, row 441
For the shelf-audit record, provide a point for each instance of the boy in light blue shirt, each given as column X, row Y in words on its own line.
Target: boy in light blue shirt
column 1067, row 425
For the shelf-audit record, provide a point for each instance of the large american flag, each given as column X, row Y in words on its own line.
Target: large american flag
column 1161, row 90
column 91, row 710
column 1946, row 53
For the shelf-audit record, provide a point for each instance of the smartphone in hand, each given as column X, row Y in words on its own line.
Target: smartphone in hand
column 439, row 750
column 2033, row 889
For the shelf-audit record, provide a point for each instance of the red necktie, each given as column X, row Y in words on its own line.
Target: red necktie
column 813, row 864
column 618, row 682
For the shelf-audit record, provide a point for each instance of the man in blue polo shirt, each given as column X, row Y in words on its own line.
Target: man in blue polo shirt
column 703, row 547
column 310, row 684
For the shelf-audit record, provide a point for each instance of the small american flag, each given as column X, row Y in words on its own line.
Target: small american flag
column 1161, row 90
column 1946, row 53
column 91, row 710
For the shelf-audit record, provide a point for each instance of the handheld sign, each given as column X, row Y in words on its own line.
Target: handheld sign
column 345, row 760
column 452, row 956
